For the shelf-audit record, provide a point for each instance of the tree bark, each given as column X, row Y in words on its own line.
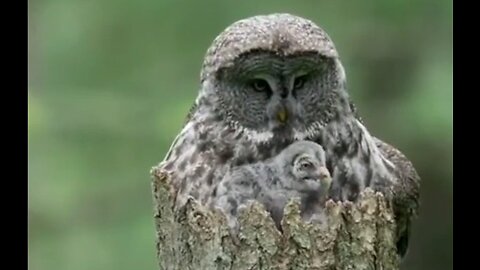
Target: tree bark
column 357, row 235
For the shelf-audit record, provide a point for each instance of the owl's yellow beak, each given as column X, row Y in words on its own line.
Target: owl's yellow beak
column 282, row 115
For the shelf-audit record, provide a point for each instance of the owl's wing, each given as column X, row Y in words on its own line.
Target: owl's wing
column 406, row 193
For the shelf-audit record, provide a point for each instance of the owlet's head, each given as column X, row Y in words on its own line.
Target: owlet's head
column 305, row 162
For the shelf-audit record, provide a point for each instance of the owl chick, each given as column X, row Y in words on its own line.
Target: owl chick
column 299, row 171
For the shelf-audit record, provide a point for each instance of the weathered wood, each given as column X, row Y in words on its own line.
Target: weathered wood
column 357, row 235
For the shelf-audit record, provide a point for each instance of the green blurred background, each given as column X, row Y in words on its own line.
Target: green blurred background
column 110, row 83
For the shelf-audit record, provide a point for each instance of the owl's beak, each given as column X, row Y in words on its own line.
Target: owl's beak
column 282, row 115
column 325, row 176
column 323, row 172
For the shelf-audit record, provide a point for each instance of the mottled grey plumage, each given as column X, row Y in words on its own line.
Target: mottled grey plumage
column 266, row 82
column 299, row 171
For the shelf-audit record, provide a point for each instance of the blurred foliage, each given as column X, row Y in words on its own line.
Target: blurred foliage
column 110, row 83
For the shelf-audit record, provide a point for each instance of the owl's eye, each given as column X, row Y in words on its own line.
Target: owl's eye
column 299, row 82
column 260, row 85
column 306, row 165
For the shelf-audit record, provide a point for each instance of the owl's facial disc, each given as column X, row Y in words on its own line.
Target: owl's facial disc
column 276, row 91
column 278, row 111
column 283, row 95
column 285, row 111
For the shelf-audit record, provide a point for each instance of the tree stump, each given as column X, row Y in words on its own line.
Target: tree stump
column 358, row 235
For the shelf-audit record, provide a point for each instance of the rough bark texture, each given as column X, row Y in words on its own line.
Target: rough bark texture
column 357, row 236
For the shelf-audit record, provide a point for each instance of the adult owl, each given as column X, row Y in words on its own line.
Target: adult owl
column 266, row 82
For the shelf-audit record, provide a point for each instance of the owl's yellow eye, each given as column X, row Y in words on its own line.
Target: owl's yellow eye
column 260, row 85
column 299, row 82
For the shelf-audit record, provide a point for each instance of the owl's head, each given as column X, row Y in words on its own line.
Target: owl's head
column 275, row 73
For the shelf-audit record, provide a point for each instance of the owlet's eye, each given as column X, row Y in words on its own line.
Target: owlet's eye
column 299, row 82
column 260, row 85
column 306, row 165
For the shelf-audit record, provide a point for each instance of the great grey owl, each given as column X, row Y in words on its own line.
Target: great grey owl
column 270, row 80
column 299, row 171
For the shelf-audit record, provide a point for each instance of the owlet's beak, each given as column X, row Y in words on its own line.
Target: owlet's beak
column 282, row 115
column 323, row 172
column 325, row 176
